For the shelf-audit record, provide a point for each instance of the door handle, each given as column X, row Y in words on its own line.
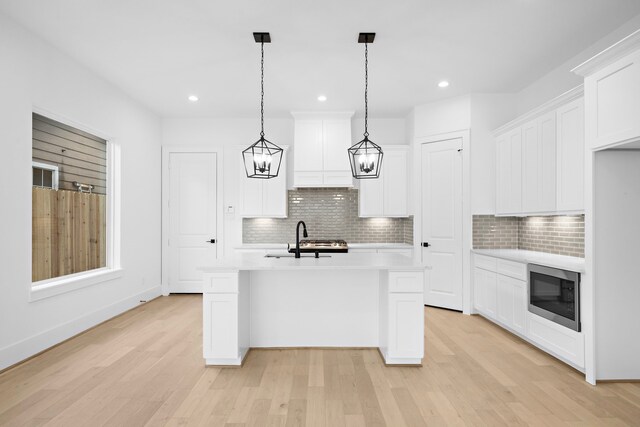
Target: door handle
column 210, row 241
column 425, row 244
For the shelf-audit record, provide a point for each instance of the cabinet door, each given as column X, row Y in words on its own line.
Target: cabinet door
column 531, row 167
column 478, row 289
column 371, row 197
column 250, row 195
column 519, row 306
column 490, row 293
column 613, row 102
column 504, row 309
column 570, row 167
column 308, row 149
column 406, row 325
column 336, row 141
column 539, row 165
column 274, row 193
column 394, row 182
column 509, row 173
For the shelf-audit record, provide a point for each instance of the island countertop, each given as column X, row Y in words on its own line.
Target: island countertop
column 353, row 261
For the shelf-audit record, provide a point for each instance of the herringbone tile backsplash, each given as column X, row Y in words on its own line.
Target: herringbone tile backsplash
column 563, row 235
column 330, row 213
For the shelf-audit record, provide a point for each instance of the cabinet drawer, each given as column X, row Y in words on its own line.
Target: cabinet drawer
column 221, row 283
column 561, row 341
column 485, row 262
column 406, row 282
column 512, row 269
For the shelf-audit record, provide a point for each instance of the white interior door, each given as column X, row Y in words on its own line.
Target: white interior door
column 192, row 219
column 442, row 223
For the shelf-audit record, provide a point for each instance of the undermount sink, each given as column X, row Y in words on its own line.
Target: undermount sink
column 292, row 256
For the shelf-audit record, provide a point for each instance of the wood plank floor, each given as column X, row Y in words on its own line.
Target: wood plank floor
column 146, row 368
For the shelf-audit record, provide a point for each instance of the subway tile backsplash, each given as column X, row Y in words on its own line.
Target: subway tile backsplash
column 563, row 235
column 330, row 213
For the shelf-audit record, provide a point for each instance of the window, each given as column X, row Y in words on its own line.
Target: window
column 45, row 176
column 69, row 200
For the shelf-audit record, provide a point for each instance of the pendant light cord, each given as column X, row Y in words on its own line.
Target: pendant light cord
column 262, row 90
column 366, row 90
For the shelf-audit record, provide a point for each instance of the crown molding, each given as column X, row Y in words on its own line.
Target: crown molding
column 609, row 55
column 570, row 95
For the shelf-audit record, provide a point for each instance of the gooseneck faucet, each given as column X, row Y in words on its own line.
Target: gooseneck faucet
column 304, row 234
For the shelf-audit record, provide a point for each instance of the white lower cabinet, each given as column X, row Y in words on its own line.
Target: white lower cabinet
column 500, row 294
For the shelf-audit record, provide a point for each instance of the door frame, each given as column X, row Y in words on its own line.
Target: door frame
column 467, row 219
column 167, row 150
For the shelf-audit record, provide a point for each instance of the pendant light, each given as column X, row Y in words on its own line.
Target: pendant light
column 262, row 158
column 365, row 156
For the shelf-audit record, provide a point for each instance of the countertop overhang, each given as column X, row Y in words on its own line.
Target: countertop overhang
column 531, row 257
column 259, row 262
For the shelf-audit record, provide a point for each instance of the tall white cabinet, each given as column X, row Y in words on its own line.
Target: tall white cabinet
column 540, row 160
column 386, row 196
column 320, row 152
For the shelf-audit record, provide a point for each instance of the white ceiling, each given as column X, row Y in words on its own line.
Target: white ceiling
column 161, row 51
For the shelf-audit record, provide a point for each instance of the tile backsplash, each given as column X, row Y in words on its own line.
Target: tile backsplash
column 563, row 235
column 330, row 213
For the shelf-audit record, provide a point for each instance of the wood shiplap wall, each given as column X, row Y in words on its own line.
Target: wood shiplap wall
column 80, row 156
column 68, row 232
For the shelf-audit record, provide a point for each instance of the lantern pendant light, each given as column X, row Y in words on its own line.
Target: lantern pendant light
column 262, row 158
column 365, row 156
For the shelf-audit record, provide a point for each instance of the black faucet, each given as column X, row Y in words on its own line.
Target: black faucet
column 304, row 234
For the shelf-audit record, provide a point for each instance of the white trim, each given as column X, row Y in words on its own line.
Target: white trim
column 467, row 219
column 570, row 95
column 609, row 55
column 63, row 284
column 220, row 238
column 55, row 176
column 34, row 344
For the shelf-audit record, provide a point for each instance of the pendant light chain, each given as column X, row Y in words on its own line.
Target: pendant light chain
column 262, row 90
column 366, row 89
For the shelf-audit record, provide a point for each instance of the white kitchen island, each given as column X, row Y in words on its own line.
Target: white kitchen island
column 345, row 300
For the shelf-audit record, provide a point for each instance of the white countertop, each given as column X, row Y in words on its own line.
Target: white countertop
column 278, row 246
column 531, row 257
column 256, row 261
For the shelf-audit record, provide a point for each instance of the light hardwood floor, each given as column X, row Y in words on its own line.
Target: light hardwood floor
column 146, row 368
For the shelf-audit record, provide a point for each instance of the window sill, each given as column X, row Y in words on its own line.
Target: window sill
column 60, row 285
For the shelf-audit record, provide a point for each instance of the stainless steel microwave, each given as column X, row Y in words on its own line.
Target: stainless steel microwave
column 555, row 295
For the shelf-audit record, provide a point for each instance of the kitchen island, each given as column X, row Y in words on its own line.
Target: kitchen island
column 341, row 300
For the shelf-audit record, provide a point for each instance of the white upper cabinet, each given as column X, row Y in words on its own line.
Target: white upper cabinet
column 509, row 173
column 612, row 94
column 613, row 102
column 540, row 160
column 571, row 147
column 386, row 196
column 264, row 198
column 320, row 152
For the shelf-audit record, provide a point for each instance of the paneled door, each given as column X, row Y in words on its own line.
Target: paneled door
column 192, row 207
column 441, row 170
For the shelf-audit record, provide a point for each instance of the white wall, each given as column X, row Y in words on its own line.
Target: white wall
column 33, row 74
column 444, row 116
column 381, row 131
column 561, row 79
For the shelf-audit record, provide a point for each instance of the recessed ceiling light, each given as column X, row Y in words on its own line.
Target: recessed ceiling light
column 443, row 83
column 193, row 98
column 322, row 98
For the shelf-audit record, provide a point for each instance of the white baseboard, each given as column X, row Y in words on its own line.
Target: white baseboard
column 28, row 347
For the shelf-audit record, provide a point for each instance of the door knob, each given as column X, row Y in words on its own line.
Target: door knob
column 210, row 241
column 425, row 244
